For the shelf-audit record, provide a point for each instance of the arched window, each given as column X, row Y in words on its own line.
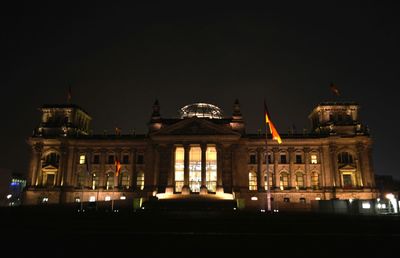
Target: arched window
column 345, row 158
column 125, row 180
column 314, row 180
column 284, row 180
column 110, row 180
column 52, row 159
column 299, row 180
column 252, row 181
column 140, row 180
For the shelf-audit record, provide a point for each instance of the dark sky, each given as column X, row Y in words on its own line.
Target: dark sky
column 119, row 59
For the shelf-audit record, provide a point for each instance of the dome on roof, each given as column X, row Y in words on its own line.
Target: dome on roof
column 202, row 110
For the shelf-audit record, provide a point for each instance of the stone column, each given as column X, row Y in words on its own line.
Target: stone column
column 68, row 176
column 276, row 159
column 260, row 174
column 36, row 164
column 61, row 165
column 117, row 181
column 360, row 164
column 307, row 166
column 292, row 176
column 220, row 187
column 203, row 188
column 133, row 169
column 334, row 169
column 326, row 179
column 157, row 150
column 171, row 174
column 103, row 176
column 185, row 188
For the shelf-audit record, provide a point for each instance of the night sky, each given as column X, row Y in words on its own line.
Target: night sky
column 119, row 59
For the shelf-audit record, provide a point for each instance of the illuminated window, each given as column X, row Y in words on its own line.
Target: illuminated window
column 271, row 180
column 252, row 181
column 302, row 200
column 110, row 180
column 140, row 180
column 125, row 180
column 107, row 198
column 45, row 199
column 299, row 180
column 82, row 159
column 314, row 159
column 195, row 169
column 284, row 181
column 95, row 181
column 211, row 169
column 77, row 199
column 179, row 168
column 92, row 198
column 314, row 180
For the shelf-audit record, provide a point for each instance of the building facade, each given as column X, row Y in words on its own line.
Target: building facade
column 201, row 153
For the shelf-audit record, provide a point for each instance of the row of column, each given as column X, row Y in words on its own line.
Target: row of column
column 186, row 176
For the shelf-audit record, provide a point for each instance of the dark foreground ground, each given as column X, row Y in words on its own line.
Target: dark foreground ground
column 50, row 232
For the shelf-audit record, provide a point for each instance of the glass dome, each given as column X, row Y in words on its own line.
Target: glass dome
column 203, row 110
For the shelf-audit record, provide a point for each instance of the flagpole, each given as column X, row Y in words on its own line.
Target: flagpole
column 266, row 163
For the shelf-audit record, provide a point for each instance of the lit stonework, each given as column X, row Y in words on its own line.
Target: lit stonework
column 203, row 154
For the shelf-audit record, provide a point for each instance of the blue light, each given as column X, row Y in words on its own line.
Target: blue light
column 15, row 183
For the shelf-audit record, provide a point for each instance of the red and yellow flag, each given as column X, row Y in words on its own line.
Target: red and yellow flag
column 117, row 167
column 272, row 129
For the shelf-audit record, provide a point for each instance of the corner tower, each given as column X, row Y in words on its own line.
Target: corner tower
column 63, row 120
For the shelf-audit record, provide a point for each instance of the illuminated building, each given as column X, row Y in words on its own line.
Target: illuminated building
column 201, row 153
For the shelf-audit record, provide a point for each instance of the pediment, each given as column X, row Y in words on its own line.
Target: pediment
column 195, row 126
column 347, row 167
column 49, row 168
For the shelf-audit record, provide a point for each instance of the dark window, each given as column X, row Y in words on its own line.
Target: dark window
column 125, row 159
column 140, row 159
column 330, row 117
column 283, row 159
column 269, row 159
column 302, row 200
column 286, row 199
column 96, row 159
column 272, row 199
column 298, row 159
column 111, row 159
column 253, row 159
column 345, row 158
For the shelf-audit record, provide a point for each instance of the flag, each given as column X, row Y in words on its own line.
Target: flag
column 334, row 89
column 117, row 166
column 272, row 129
